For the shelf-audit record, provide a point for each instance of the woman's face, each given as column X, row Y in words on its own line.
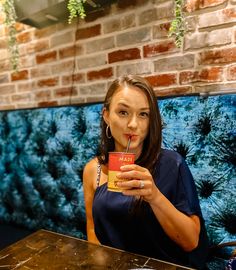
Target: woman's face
column 128, row 115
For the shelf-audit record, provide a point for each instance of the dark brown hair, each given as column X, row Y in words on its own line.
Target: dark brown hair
column 152, row 143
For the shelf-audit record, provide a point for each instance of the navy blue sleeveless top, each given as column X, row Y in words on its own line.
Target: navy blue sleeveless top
column 117, row 224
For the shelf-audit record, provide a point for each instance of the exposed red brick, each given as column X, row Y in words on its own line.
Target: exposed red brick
column 5, row 65
column 79, row 77
column 215, row 87
column 4, row 78
column 19, row 27
column 123, row 55
column 65, row 67
column 192, row 5
column 100, row 74
column 40, row 71
column 4, row 100
column 6, row 31
column 21, row 97
column 154, row 49
column 37, row 46
column 23, row 37
column 46, row 57
column 229, row 12
column 182, row 90
column 188, row 76
column 47, row 104
column 161, row 30
column 212, row 74
column 162, row 80
column 231, row 73
column 3, row 43
column 94, row 99
column 7, row 107
column 45, row 32
column 70, row 51
column 218, row 56
column 43, row 94
column 65, row 92
column 26, row 61
column 7, row 89
column 2, row 19
column 88, row 32
column 27, row 86
column 21, row 75
column 209, row 3
column 48, row 82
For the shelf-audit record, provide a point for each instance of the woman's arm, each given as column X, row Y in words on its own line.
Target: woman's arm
column 182, row 229
column 89, row 185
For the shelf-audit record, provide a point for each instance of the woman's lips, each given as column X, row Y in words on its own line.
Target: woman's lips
column 133, row 137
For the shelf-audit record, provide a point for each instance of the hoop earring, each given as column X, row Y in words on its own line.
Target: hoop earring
column 107, row 133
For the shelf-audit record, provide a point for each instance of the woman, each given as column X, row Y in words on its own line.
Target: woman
column 158, row 213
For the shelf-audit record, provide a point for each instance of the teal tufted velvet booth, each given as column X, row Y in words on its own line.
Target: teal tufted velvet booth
column 43, row 152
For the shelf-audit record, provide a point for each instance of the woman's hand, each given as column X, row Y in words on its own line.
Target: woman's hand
column 182, row 229
column 138, row 182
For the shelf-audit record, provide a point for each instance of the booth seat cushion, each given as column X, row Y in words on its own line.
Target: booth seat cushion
column 43, row 152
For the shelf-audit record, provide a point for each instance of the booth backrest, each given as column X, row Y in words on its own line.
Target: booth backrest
column 43, row 152
column 42, row 155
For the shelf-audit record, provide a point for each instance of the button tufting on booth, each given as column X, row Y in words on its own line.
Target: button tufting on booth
column 43, row 152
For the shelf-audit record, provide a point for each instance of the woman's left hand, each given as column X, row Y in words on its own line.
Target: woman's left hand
column 138, row 182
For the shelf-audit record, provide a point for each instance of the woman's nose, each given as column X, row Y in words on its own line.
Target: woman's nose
column 133, row 122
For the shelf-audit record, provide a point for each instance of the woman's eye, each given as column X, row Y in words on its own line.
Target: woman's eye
column 123, row 113
column 144, row 114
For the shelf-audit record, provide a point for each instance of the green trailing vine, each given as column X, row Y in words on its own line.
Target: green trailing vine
column 177, row 27
column 10, row 21
column 76, row 7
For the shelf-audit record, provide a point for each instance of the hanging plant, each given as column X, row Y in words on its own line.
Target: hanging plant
column 10, row 20
column 76, row 7
column 177, row 27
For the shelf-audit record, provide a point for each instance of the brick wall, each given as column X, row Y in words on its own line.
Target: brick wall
column 68, row 64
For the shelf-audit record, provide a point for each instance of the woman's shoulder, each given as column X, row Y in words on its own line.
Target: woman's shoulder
column 171, row 155
column 90, row 174
column 172, row 161
column 91, row 165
